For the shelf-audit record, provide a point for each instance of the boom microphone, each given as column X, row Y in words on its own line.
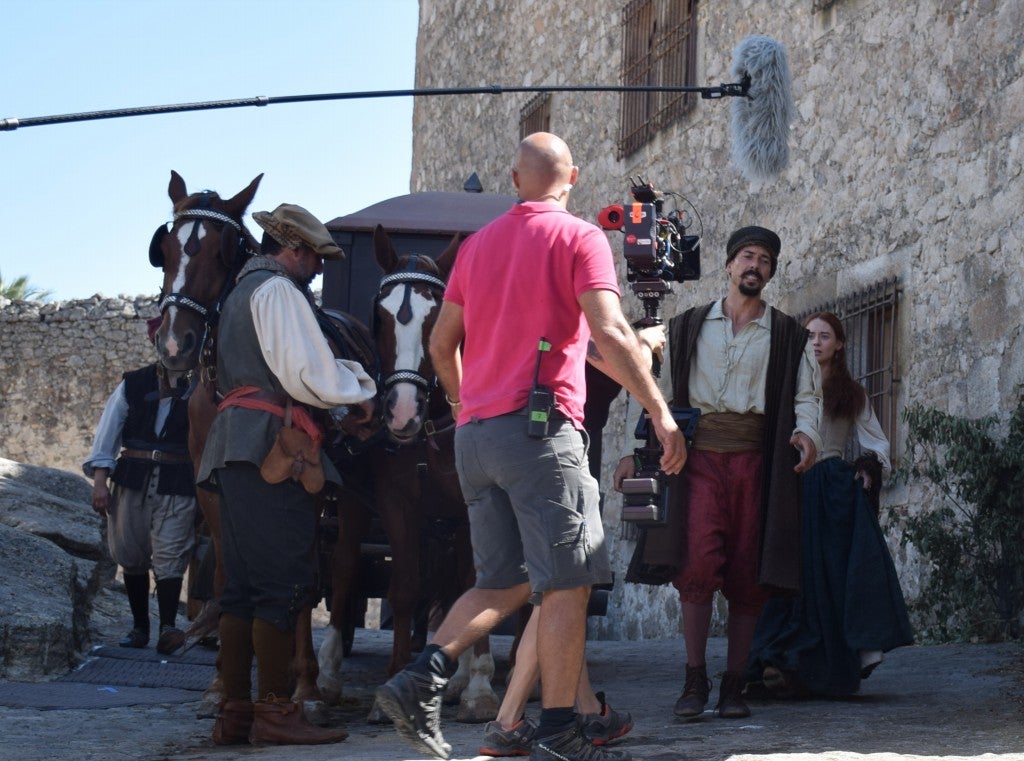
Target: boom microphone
column 760, row 123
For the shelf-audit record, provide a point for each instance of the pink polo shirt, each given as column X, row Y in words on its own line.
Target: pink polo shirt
column 518, row 279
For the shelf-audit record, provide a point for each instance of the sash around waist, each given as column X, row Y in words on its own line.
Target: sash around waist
column 729, row 432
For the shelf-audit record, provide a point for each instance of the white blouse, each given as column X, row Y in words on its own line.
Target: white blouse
column 835, row 435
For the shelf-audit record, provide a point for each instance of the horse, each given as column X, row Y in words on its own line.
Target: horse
column 418, row 496
column 201, row 254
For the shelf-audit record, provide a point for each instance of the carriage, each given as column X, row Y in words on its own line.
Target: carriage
column 421, row 223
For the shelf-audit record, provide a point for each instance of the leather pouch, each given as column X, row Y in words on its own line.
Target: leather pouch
column 294, row 455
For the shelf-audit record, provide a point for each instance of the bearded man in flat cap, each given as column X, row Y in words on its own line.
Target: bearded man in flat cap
column 275, row 370
column 734, row 511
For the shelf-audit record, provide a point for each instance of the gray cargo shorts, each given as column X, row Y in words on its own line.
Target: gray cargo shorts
column 533, row 506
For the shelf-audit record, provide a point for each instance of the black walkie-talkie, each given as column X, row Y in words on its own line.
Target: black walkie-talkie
column 542, row 400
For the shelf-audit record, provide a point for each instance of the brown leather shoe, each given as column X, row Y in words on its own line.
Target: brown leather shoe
column 695, row 692
column 280, row 722
column 171, row 638
column 234, row 720
column 730, row 697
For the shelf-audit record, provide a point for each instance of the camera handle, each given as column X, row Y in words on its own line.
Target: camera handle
column 650, row 291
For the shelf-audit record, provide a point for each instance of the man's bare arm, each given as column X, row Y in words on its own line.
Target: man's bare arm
column 623, row 360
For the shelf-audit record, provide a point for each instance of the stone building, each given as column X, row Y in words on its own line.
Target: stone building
column 900, row 206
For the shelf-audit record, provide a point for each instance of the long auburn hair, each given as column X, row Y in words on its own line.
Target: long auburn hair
column 844, row 398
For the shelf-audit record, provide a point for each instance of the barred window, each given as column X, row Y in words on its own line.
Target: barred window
column 535, row 115
column 869, row 319
column 659, row 47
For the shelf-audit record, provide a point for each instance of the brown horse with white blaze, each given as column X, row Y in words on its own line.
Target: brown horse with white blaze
column 201, row 254
column 417, row 491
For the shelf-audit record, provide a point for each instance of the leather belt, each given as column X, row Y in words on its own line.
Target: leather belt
column 155, row 455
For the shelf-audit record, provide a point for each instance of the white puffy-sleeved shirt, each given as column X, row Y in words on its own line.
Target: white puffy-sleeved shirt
column 305, row 367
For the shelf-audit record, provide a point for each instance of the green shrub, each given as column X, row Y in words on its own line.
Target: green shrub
column 974, row 540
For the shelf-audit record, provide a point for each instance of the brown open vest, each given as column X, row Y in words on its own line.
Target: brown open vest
column 659, row 550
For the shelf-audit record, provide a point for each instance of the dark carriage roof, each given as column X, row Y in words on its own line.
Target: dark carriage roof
column 427, row 213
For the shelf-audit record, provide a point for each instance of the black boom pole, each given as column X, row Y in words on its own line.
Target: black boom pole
column 736, row 89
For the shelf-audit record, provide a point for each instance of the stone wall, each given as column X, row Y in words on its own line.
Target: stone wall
column 906, row 161
column 59, row 362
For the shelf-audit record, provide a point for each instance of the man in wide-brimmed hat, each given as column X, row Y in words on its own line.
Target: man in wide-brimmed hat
column 273, row 365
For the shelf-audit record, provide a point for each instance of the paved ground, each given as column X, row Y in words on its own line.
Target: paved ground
column 948, row 702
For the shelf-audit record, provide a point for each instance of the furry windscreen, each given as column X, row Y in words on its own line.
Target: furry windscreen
column 760, row 123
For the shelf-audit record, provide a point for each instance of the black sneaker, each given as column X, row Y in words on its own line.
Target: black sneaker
column 601, row 728
column 517, row 741
column 571, row 745
column 413, row 702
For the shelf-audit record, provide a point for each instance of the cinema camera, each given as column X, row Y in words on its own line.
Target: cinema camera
column 658, row 251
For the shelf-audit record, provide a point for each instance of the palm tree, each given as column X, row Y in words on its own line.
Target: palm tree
column 20, row 290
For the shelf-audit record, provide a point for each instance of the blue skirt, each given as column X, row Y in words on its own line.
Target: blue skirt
column 850, row 598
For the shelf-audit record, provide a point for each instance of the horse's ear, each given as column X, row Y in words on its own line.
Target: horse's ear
column 236, row 206
column 384, row 251
column 446, row 261
column 176, row 188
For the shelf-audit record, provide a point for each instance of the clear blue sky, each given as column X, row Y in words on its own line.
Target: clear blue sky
column 80, row 201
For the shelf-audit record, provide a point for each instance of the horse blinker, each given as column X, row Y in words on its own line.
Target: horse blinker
column 156, row 250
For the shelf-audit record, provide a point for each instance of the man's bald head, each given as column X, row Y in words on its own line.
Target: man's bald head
column 543, row 168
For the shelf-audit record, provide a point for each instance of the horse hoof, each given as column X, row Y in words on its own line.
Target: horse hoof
column 330, row 689
column 478, row 712
column 377, row 716
column 316, row 712
column 209, row 707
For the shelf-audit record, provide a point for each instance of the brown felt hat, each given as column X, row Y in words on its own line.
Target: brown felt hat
column 291, row 225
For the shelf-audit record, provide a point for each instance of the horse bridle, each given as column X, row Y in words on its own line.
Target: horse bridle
column 408, row 278
column 182, row 299
column 210, row 316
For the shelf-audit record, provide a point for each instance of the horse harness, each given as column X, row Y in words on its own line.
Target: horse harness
column 408, row 277
column 210, row 316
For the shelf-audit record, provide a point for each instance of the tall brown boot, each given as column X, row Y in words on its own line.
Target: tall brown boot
column 274, row 649
column 235, row 657
column 280, row 722
column 234, row 721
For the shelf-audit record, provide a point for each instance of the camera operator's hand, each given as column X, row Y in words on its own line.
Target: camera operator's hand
column 652, row 342
column 673, row 445
column 808, row 452
column 625, row 469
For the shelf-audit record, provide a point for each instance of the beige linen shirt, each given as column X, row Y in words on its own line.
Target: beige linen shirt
column 731, row 371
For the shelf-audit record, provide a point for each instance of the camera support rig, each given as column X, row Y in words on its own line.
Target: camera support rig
column 657, row 251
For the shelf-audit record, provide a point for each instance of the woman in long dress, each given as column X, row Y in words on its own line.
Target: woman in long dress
column 851, row 608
